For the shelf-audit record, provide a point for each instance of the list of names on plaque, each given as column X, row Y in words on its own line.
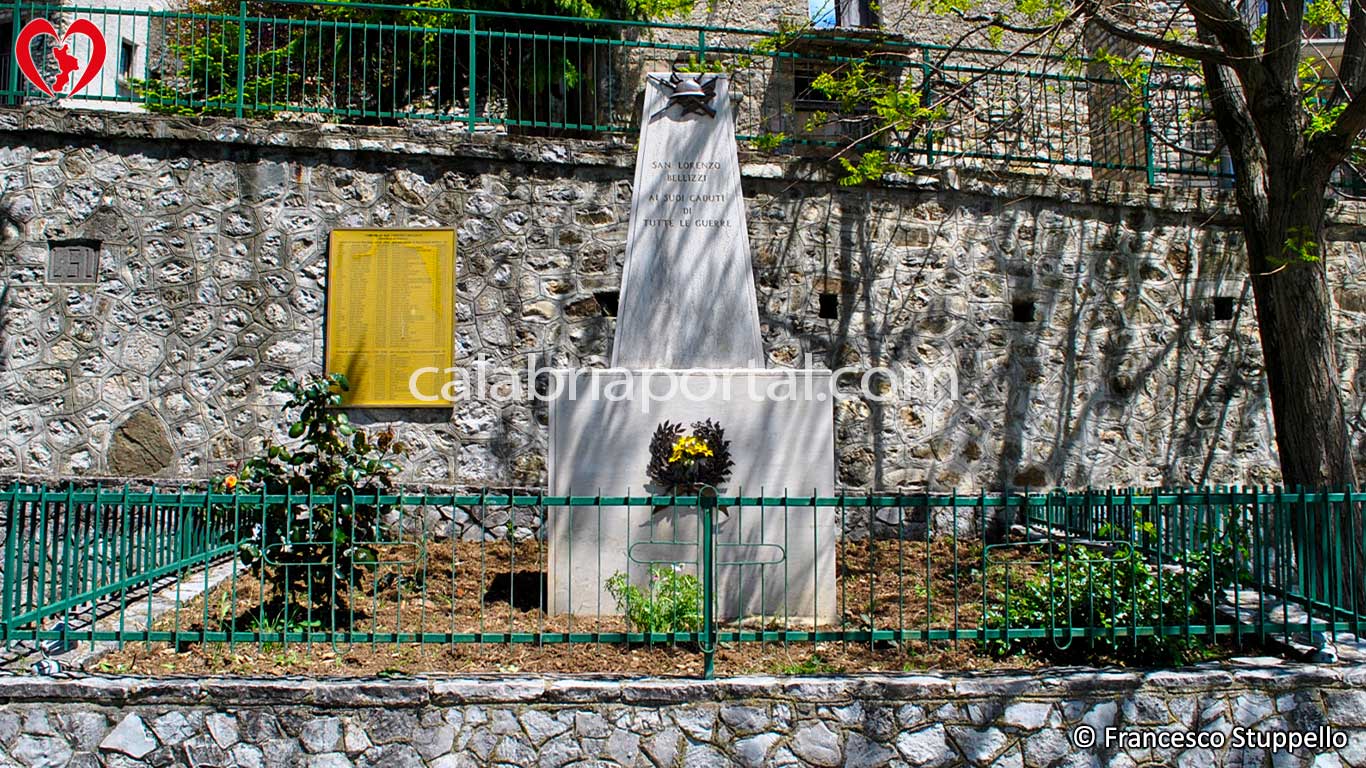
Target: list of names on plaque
column 390, row 311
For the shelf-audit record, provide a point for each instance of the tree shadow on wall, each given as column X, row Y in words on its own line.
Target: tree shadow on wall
column 869, row 329
column 1112, row 319
column 1116, row 351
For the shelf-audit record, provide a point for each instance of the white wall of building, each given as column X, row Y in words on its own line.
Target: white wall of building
column 126, row 28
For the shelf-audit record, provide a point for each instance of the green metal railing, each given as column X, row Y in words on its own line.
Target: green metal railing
column 67, row 550
column 520, row 73
column 187, row 567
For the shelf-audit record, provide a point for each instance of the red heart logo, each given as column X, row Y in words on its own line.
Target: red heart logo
column 66, row 63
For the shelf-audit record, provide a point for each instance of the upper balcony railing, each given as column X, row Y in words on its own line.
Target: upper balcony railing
column 481, row 71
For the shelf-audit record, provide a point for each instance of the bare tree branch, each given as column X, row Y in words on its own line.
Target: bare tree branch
column 1210, row 155
column 1198, row 51
column 1222, row 25
column 999, row 20
column 1232, row 115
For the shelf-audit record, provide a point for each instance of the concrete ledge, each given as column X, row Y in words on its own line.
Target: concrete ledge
column 442, row 691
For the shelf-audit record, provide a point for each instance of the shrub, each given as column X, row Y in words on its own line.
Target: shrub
column 311, row 553
column 673, row 602
column 1110, row 588
column 205, row 82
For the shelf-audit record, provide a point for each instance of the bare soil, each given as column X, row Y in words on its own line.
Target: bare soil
column 471, row 587
column 660, row 660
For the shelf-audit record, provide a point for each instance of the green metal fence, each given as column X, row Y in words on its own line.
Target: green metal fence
column 1065, row 569
column 507, row 72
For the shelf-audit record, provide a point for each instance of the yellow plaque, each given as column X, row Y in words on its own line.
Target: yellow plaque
column 391, row 314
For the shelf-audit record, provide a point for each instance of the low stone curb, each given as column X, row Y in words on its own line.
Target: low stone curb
column 443, row 691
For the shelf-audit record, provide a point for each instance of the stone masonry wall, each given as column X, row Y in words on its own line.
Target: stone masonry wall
column 1079, row 320
column 869, row 721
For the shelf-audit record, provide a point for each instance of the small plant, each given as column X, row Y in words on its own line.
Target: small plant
column 812, row 665
column 672, row 603
column 225, row 606
column 311, row 553
column 286, row 658
column 266, row 625
column 1143, row 531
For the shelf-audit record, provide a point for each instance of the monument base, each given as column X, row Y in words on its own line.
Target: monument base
column 773, row 562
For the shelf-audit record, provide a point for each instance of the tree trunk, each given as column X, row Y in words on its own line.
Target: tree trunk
column 1295, row 322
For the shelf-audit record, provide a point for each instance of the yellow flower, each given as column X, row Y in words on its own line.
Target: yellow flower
column 689, row 448
column 230, row 482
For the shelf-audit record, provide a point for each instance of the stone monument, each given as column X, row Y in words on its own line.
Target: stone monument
column 688, row 348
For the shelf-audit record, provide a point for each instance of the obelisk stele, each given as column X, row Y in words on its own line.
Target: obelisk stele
column 688, row 348
column 687, row 297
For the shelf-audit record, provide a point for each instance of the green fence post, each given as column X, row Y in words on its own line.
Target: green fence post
column 706, row 502
column 927, row 100
column 1148, row 160
column 13, row 84
column 1353, row 532
column 473, row 73
column 11, row 575
column 241, row 56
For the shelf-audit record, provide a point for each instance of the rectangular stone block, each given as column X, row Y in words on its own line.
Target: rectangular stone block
column 73, row 262
column 775, row 562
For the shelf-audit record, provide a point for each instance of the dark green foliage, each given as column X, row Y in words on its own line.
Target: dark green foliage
column 312, row 553
column 206, row 81
column 1110, row 588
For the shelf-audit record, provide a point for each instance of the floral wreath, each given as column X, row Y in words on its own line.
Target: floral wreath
column 684, row 462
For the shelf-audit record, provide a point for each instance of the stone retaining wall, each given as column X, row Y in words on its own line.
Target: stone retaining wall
column 930, row 719
column 1078, row 320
